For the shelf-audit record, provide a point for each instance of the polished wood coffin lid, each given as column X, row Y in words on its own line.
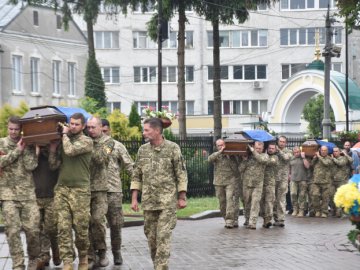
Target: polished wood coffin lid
column 236, row 144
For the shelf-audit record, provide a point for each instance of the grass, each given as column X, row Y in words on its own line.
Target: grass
column 194, row 206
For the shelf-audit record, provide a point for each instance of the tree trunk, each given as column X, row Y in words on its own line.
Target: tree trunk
column 90, row 32
column 216, row 81
column 181, row 71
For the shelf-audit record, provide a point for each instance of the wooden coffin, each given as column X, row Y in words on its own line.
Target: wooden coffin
column 236, row 144
column 40, row 125
column 310, row 147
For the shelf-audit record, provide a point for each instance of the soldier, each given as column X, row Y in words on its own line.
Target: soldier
column 268, row 194
column 161, row 175
column 119, row 158
column 225, row 182
column 299, row 166
column 321, row 187
column 281, row 185
column 351, row 166
column 72, row 193
column 45, row 181
column 103, row 146
column 340, row 174
column 17, row 195
column 252, row 169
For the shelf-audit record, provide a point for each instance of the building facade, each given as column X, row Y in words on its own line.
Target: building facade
column 257, row 58
column 40, row 62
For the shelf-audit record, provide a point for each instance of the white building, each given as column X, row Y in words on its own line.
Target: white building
column 257, row 58
column 40, row 62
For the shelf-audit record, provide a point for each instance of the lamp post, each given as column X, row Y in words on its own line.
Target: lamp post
column 159, row 55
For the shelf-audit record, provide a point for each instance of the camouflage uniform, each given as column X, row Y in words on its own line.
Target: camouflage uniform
column 252, row 172
column 268, row 194
column 103, row 146
column 340, row 177
column 321, row 187
column 299, row 183
column 119, row 158
column 281, row 185
column 17, row 194
column 72, row 194
column 160, row 173
column 225, row 180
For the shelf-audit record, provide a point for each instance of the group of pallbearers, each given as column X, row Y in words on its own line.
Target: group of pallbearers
column 260, row 180
column 73, row 184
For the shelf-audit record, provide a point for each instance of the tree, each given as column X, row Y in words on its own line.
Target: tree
column 6, row 111
column 120, row 129
column 91, row 106
column 314, row 113
column 134, row 117
column 350, row 10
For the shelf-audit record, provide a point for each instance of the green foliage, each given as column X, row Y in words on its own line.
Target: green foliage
column 6, row 111
column 168, row 134
column 351, row 136
column 350, row 11
column 134, row 117
column 314, row 113
column 94, row 84
column 120, row 129
column 352, row 235
column 91, row 106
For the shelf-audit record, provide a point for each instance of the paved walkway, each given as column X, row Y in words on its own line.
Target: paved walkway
column 304, row 243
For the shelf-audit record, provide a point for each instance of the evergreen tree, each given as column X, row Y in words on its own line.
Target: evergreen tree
column 94, row 84
column 134, row 117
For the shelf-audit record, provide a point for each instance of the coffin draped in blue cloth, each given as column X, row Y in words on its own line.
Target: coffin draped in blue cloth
column 259, row 135
column 329, row 145
column 68, row 111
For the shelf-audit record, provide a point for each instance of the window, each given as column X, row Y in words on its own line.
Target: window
column 189, row 39
column 239, row 39
column 149, row 7
column 169, row 74
column 171, row 42
column 36, row 18
column 262, row 6
column 17, row 73
column 111, row 75
column 142, row 41
column 224, row 72
column 58, row 22
column 306, row 36
column 34, row 74
column 290, row 69
column 325, row 3
column 238, row 72
column 189, row 74
column 336, row 67
column 240, row 107
column 72, row 79
column 106, row 39
column 111, row 106
column 145, row 75
column 172, row 106
column 56, row 77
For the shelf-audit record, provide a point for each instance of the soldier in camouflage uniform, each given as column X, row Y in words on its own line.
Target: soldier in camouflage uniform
column 268, row 194
column 281, row 184
column 252, row 170
column 321, row 187
column 119, row 158
column 72, row 193
column 340, row 175
column 225, row 181
column 299, row 166
column 17, row 195
column 160, row 174
column 103, row 146
column 45, row 181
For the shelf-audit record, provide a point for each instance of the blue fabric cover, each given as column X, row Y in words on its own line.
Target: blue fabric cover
column 259, row 135
column 329, row 145
column 68, row 111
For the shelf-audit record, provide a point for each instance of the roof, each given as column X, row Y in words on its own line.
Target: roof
column 8, row 12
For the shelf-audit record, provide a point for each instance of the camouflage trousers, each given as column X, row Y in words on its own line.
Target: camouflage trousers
column 25, row 215
column 320, row 197
column 97, row 229
column 298, row 190
column 334, row 187
column 238, row 196
column 252, row 198
column 226, row 194
column 158, row 226
column 73, row 212
column 281, row 188
column 48, row 226
column 115, row 218
column 267, row 202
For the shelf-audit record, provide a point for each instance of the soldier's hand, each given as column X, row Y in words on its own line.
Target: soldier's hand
column 37, row 150
column 135, row 205
column 65, row 130
column 250, row 148
column 181, row 203
column 302, row 154
column 53, row 146
column 21, row 145
column 222, row 149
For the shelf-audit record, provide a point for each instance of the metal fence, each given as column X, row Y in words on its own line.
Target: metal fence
column 200, row 173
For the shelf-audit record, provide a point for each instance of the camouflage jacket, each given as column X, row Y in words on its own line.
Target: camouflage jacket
column 322, row 170
column 160, row 173
column 16, row 179
column 226, row 169
column 119, row 158
column 100, row 157
column 341, row 168
column 271, row 170
column 285, row 156
column 253, row 169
